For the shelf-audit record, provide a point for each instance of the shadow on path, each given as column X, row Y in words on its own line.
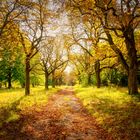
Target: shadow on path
column 63, row 118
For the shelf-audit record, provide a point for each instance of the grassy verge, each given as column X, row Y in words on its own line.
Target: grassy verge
column 13, row 101
column 114, row 110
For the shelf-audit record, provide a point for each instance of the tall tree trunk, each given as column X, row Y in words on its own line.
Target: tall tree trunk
column 53, row 79
column 27, row 76
column 46, row 80
column 97, row 72
column 9, row 79
column 132, row 80
column 133, row 64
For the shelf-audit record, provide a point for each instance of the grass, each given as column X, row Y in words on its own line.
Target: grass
column 114, row 110
column 13, row 101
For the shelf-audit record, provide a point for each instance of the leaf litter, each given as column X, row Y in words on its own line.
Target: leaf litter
column 62, row 118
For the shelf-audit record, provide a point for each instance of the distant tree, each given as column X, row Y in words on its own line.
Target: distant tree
column 54, row 58
column 11, row 63
column 19, row 70
column 87, row 35
column 34, row 80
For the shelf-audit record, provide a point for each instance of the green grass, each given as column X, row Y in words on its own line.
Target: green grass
column 114, row 110
column 13, row 101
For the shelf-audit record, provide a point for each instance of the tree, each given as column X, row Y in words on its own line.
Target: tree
column 121, row 18
column 31, row 35
column 11, row 64
column 53, row 57
column 87, row 35
column 126, row 17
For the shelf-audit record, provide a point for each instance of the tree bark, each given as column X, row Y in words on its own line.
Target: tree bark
column 97, row 72
column 133, row 63
column 46, row 80
column 27, row 76
column 9, row 79
column 132, row 81
column 53, row 79
column 60, row 81
column 0, row 85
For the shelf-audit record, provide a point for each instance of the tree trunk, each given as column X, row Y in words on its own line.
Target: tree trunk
column 60, row 81
column 97, row 72
column 46, row 81
column 133, row 64
column 9, row 79
column 0, row 85
column 132, row 81
column 53, row 79
column 27, row 76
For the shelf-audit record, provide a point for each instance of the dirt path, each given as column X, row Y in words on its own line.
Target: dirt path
column 63, row 118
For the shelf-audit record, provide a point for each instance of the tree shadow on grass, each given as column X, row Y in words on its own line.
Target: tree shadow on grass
column 8, row 114
column 5, row 112
column 33, row 125
column 13, row 121
column 122, row 120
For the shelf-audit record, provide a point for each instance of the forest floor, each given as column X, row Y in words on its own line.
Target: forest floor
column 62, row 118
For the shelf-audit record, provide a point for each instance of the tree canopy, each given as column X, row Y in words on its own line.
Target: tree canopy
column 96, row 38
